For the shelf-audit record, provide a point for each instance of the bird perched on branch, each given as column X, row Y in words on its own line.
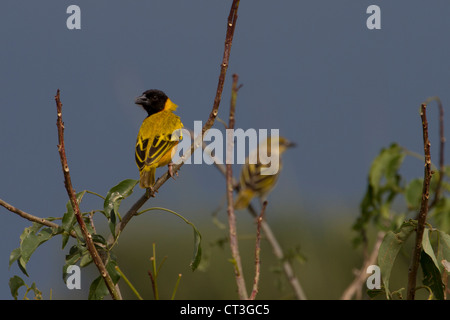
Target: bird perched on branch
column 258, row 179
column 158, row 136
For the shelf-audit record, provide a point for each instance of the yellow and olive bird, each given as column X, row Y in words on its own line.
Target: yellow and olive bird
column 158, row 136
column 255, row 184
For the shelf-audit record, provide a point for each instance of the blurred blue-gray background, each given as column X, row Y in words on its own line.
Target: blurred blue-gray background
column 309, row 68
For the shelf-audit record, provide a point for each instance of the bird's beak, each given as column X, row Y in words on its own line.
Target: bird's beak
column 141, row 100
column 291, row 144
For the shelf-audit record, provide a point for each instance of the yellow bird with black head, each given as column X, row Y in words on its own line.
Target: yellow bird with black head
column 158, row 136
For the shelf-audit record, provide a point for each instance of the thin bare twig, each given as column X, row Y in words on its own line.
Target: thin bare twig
column 232, row 18
column 259, row 221
column 72, row 196
column 239, row 276
column 355, row 288
column 441, row 150
column 412, row 273
column 28, row 216
column 278, row 252
column 31, row 217
column 153, row 281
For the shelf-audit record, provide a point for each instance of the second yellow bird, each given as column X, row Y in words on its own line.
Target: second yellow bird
column 255, row 184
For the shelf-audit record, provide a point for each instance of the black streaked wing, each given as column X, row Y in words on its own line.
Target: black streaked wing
column 158, row 149
column 251, row 177
column 140, row 151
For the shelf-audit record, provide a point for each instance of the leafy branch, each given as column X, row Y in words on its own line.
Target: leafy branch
column 73, row 200
column 412, row 274
column 431, row 247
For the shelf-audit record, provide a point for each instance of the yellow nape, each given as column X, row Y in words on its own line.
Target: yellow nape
column 170, row 106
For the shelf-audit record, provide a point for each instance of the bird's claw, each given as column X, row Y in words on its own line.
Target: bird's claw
column 151, row 192
column 170, row 165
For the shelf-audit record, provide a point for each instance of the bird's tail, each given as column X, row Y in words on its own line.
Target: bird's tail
column 147, row 177
column 243, row 199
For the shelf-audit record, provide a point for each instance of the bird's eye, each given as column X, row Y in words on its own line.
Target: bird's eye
column 154, row 98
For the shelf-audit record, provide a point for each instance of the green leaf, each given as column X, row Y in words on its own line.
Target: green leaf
column 98, row 289
column 113, row 273
column 197, row 254
column 22, row 266
column 389, row 249
column 14, row 285
column 373, row 293
column 98, row 238
column 426, row 246
column 116, row 194
column 15, row 254
column 443, row 249
column 385, row 167
column 30, row 241
column 431, row 276
column 79, row 234
column 113, row 199
column 382, row 188
column 36, row 291
column 413, row 193
column 28, row 245
column 69, row 218
column 112, row 222
column 75, row 254
column 65, row 238
column 441, row 214
column 398, row 293
column 86, row 259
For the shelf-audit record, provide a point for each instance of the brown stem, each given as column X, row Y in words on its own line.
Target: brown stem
column 355, row 288
column 412, row 274
column 152, row 280
column 28, row 216
column 72, row 196
column 259, row 221
column 441, row 150
column 239, row 276
column 232, row 18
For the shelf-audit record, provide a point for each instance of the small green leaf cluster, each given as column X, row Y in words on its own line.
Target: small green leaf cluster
column 35, row 235
column 16, row 282
column 385, row 185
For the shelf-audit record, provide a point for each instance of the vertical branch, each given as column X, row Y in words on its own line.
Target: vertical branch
column 72, row 196
column 259, row 221
column 412, row 274
column 239, row 276
column 232, row 18
column 441, row 150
